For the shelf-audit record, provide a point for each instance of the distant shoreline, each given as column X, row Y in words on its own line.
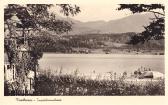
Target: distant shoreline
column 102, row 55
column 116, row 52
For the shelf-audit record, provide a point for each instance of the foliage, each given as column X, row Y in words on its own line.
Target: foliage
column 68, row 9
column 50, row 43
column 135, row 39
column 156, row 28
column 34, row 18
column 78, row 86
column 138, row 8
column 40, row 15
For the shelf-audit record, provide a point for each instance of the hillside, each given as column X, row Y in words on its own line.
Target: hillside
column 97, row 44
column 101, row 37
column 133, row 23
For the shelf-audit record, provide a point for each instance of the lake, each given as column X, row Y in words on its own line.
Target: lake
column 89, row 63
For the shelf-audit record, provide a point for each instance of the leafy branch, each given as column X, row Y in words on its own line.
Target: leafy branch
column 155, row 30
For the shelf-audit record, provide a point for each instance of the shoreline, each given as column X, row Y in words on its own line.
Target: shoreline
column 103, row 55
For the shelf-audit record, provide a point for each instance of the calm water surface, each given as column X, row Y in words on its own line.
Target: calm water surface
column 100, row 63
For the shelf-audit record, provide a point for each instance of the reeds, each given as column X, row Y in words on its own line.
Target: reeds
column 73, row 85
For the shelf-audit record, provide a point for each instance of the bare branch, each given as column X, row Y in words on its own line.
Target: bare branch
column 157, row 13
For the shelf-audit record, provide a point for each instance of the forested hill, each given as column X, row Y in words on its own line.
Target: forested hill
column 101, row 42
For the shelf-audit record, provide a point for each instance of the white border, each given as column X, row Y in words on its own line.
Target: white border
column 75, row 100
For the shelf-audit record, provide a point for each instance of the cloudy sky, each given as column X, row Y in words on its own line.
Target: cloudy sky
column 95, row 12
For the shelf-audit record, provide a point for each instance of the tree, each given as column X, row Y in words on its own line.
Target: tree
column 41, row 16
column 38, row 17
column 156, row 28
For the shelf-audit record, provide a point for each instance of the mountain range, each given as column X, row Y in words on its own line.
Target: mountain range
column 132, row 23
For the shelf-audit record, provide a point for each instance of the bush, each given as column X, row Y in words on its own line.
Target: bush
column 77, row 86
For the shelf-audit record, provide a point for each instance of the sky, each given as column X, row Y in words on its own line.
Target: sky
column 96, row 12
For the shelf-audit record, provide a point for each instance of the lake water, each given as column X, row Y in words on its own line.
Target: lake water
column 100, row 63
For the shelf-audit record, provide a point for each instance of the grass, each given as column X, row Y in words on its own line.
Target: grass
column 72, row 85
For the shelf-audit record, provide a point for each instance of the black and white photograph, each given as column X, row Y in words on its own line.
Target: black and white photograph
column 84, row 49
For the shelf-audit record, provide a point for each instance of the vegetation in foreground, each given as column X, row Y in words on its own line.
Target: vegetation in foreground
column 58, row 83
column 72, row 85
